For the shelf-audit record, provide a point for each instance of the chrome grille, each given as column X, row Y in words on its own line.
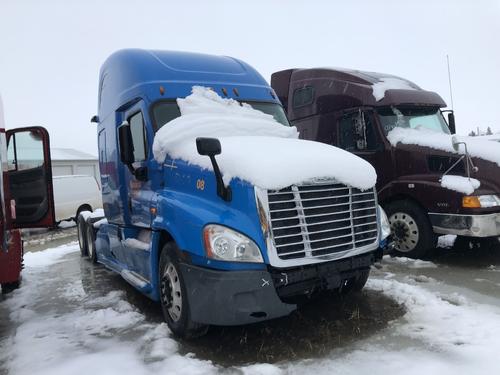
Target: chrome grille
column 321, row 219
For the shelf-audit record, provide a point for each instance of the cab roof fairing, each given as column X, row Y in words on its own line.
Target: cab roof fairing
column 131, row 73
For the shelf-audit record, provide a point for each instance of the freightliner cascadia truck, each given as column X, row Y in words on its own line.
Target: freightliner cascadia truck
column 430, row 182
column 212, row 205
column 26, row 197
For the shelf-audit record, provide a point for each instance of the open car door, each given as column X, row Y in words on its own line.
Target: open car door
column 30, row 197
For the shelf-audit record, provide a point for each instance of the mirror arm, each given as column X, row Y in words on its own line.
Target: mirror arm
column 223, row 191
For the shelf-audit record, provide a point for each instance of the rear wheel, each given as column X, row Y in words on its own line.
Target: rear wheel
column 411, row 229
column 173, row 296
column 81, row 227
column 90, row 239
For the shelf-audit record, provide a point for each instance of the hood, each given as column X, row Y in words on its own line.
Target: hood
column 255, row 148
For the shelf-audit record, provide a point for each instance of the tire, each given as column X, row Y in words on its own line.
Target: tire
column 90, row 239
column 83, row 207
column 356, row 284
column 81, row 228
column 10, row 287
column 411, row 229
column 173, row 296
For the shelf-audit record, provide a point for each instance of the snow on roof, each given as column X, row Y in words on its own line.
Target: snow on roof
column 255, row 147
column 390, row 83
column 70, row 154
column 459, row 183
column 477, row 147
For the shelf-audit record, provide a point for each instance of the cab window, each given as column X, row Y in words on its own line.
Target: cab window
column 357, row 132
column 138, row 136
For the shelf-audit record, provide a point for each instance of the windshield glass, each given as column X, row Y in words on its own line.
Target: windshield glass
column 166, row 111
column 412, row 118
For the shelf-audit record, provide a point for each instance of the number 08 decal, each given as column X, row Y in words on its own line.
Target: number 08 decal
column 200, row 184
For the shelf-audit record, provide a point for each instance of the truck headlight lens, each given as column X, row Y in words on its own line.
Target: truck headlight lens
column 222, row 243
column 385, row 227
column 481, row 201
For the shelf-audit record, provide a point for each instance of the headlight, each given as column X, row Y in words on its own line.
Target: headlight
column 481, row 201
column 222, row 243
column 385, row 227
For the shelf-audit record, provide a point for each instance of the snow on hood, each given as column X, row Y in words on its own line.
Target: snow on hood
column 459, row 183
column 478, row 148
column 389, row 83
column 255, row 147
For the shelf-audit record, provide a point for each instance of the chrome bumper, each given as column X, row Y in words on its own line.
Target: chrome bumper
column 466, row 225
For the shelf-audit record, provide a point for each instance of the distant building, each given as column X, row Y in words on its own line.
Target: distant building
column 67, row 161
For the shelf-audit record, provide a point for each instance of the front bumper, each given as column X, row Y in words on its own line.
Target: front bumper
column 232, row 297
column 242, row 297
column 466, row 225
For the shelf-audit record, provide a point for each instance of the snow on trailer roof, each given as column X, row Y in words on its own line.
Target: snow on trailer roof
column 281, row 158
column 70, row 154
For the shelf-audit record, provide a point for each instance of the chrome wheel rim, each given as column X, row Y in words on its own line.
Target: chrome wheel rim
column 405, row 231
column 172, row 292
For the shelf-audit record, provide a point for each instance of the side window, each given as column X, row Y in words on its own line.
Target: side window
column 357, row 132
column 25, row 151
column 138, row 136
column 303, row 96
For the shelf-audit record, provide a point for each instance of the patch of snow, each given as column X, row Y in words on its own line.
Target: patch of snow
column 134, row 243
column 98, row 223
column 461, row 184
column 409, row 262
column 390, row 83
column 48, row 257
column 446, row 241
column 66, row 224
column 255, row 147
column 99, row 212
column 477, row 147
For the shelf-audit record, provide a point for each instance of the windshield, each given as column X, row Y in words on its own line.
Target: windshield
column 166, row 111
column 412, row 118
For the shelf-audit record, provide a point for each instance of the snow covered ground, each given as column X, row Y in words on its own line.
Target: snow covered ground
column 414, row 317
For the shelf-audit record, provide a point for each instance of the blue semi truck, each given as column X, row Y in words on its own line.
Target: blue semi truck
column 214, row 252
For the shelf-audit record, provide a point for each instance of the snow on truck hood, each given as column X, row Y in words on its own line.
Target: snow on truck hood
column 478, row 148
column 255, row 147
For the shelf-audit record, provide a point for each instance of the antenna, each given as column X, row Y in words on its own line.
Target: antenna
column 449, row 81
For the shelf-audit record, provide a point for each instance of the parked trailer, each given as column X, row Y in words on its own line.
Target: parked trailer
column 399, row 128
column 25, row 194
column 74, row 194
column 215, row 253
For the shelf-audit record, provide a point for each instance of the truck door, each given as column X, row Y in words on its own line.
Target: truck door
column 139, row 191
column 358, row 133
column 30, row 200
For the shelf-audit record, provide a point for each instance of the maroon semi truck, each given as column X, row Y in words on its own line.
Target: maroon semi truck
column 26, row 197
column 357, row 111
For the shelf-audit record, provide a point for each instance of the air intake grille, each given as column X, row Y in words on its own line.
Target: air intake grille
column 321, row 219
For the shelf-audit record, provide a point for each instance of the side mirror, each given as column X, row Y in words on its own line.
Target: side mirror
column 126, row 143
column 451, row 122
column 208, row 146
column 211, row 147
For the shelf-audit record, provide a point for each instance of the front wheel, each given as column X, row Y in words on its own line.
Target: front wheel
column 173, row 296
column 411, row 229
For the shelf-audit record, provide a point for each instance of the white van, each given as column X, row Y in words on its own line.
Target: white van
column 73, row 194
